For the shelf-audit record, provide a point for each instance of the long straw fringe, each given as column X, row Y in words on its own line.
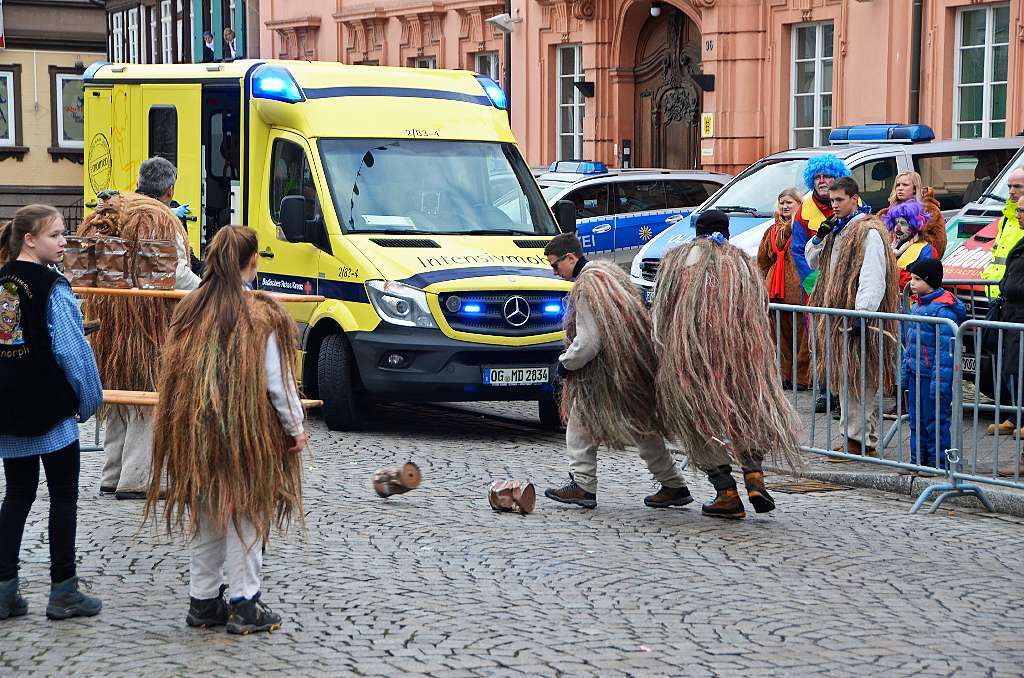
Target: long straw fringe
column 718, row 380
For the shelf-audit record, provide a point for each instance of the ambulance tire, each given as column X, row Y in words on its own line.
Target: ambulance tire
column 336, row 372
column 550, row 413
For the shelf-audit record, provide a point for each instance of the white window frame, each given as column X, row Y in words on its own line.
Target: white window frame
column 117, row 32
column 180, row 21
column 12, row 111
column 987, row 83
column 819, row 60
column 494, row 72
column 151, row 58
column 425, row 62
column 578, row 104
column 59, row 104
column 133, row 35
column 166, row 46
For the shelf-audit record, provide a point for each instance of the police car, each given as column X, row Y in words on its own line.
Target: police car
column 618, row 210
column 875, row 154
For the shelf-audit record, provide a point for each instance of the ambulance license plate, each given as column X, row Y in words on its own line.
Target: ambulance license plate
column 515, row 376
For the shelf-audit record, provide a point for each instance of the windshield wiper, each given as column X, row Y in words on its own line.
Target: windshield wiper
column 497, row 231
column 992, row 196
column 736, row 208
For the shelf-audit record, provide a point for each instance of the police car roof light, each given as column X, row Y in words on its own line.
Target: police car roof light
column 494, row 92
column 579, row 167
column 881, row 134
column 275, row 82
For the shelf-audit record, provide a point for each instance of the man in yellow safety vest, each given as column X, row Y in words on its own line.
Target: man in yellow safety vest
column 1010, row 231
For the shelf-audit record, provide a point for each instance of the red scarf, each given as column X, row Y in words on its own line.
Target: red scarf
column 777, row 276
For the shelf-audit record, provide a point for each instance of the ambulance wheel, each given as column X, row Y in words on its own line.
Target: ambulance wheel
column 336, row 372
column 550, row 416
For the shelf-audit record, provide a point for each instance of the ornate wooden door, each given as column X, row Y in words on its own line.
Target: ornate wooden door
column 668, row 101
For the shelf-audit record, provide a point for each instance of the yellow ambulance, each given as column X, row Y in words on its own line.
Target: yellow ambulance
column 398, row 194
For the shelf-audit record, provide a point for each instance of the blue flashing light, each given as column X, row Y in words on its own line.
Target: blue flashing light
column 90, row 72
column 579, row 167
column 494, row 92
column 883, row 133
column 552, row 309
column 471, row 308
column 275, row 82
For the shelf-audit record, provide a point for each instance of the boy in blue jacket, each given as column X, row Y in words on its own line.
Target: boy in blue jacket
column 927, row 373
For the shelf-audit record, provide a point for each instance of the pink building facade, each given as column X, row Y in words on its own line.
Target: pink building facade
column 692, row 83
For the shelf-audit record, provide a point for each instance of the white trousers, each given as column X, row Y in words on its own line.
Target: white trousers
column 583, row 457
column 857, row 412
column 128, row 445
column 213, row 551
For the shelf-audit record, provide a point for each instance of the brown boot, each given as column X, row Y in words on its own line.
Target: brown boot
column 727, row 504
column 757, row 493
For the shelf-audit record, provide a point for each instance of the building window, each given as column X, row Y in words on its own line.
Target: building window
column 424, row 62
column 811, row 109
column 152, row 56
column 166, row 48
column 117, row 39
column 8, row 109
column 133, row 36
column 982, row 49
column 68, row 108
column 178, row 27
column 486, row 63
column 569, row 123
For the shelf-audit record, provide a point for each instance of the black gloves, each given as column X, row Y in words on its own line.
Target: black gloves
column 825, row 228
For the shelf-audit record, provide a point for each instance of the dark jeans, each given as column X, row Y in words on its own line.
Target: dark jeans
column 22, row 476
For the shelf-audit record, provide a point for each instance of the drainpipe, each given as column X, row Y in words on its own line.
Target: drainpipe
column 915, row 62
column 508, row 64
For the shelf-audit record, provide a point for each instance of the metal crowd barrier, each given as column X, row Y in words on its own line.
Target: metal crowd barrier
column 967, row 458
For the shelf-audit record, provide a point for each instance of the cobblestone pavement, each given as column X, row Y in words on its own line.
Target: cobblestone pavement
column 844, row 582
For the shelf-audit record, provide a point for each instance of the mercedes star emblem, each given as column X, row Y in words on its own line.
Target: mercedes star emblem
column 517, row 311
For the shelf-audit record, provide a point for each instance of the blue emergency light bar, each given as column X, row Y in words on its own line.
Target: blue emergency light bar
column 552, row 309
column 579, row 167
column 277, row 83
column 494, row 92
column 472, row 309
column 881, row 134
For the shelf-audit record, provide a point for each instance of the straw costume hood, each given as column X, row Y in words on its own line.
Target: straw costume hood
column 718, row 379
column 614, row 390
column 841, row 292
column 127, row 349
column 217, row 435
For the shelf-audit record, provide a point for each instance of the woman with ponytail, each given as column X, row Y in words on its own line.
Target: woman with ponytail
column 775, row 260
column 49, row 379
column 228, row 433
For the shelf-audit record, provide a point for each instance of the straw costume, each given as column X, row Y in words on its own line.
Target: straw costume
column 127, row 349
column 217, row 433
column 719, row 388
column 607, row 397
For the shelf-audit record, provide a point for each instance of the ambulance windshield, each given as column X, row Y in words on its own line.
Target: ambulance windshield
column 433, row 186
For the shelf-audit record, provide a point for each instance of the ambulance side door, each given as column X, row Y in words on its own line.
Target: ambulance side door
column 99, row 162
column 289, row 267
column 172, row 128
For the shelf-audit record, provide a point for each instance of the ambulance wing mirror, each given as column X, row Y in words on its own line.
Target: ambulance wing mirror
column 565, row 215
column 293, row 218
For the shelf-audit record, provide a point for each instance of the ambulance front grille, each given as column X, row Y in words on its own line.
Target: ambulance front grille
column 488, row 312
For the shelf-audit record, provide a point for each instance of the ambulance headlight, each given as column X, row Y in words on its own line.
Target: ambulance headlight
column 399, row 304
column 275, row 82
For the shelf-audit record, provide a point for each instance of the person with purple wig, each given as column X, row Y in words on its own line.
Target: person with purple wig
column 906, row 222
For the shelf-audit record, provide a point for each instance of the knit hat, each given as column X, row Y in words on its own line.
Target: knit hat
column 712, row 221
column 929, row 270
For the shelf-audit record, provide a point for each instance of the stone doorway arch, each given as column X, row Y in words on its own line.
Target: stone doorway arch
column 667, row 101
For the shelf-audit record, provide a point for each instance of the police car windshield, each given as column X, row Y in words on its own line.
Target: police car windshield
column 433, row 186
column 757, row 187
column 999, row 191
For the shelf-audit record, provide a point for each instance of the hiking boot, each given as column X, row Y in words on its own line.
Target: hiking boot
column 826, row 404
column 67, row 601
column 206, row 612
column 11, row 602
column 757, row 493
column 571, row 493
column 1007, row 428
column 108, row 489
column 251, row 616
column 727, row 504
column 669, row 496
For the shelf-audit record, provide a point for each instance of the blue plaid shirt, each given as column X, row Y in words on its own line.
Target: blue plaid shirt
column 75, row 357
